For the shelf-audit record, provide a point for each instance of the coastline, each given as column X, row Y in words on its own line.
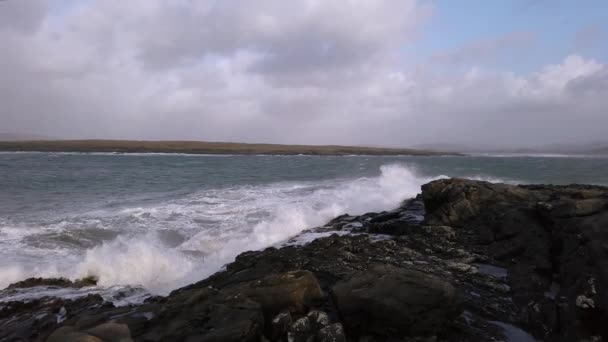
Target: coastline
column 440, row 267
column 210, row 148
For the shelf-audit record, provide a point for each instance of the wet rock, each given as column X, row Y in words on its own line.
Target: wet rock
column 206, row 315
column 318, row 319
column 386, row 301
column 107, row 332
column 549, row 235
column 111, row 332
column 279, row 326
column 331, row 333
column 308, row 328
column 302, row 330
column 69, row 334
column 57, row 282
column 295, row 290
column 37, row 319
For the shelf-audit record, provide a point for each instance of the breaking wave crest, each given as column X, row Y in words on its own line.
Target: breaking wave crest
column 172, row 244
column 252, row 218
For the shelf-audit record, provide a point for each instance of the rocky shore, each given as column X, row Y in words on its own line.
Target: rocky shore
column 464, row 261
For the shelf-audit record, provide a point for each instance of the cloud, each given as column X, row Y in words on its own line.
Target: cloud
column 22, row 15
column 273, row 71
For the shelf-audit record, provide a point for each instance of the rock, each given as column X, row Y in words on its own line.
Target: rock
column 308, row 328
column 69, row 334
column 302, row 330
column 331, row 333
column 107, row 332
column 206, row 315
column 390, row 301
column 294, row 290
column 392, row 227
column 546, row 233
column 280, row 325
column 111, row 332
column 37, row 319
column 55, row 282
column 318, row 319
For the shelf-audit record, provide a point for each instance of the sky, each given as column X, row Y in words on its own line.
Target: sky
column 519, row 73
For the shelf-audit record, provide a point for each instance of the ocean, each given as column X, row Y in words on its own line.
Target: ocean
column 145, row 224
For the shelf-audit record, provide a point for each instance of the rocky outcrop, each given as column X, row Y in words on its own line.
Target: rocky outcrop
column 109, row 332
column 553, row 239
column 58, row 282
column 35, row 320
column 392, row 301
column 464, row 261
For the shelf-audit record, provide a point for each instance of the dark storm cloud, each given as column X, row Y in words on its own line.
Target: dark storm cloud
column 276, row 71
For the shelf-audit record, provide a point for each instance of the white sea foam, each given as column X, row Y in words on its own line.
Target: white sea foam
column 246, row 218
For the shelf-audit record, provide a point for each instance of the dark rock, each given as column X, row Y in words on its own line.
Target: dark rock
column 69, row 334
column 548, row 234
column 295, row 290
column 308, row 328
column 57, row 282
column 107, row 332
column 37, row 319
column 279, row 326
column 390, row 301
column 455, row 202
column 301, row 330
column 206, row 315
column 331, row 333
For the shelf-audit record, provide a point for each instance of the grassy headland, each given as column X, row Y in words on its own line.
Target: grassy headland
column 201, row 147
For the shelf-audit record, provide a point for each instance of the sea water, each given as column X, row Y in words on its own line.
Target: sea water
column 150, row 223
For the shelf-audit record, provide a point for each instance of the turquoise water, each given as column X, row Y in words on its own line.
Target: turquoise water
column 162, row 221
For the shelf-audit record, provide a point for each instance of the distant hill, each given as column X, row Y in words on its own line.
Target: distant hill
column 202, row 147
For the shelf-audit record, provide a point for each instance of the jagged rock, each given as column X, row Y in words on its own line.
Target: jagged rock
column 37, row 319
column 546, row 234
column 331, row 333
column 390, row 301
column 111, row 332
column 69, row 334
column 280, row 325
column 107, row 332
column 307, row 328
column 58, row 282
column 295, row 290
column 302, row 330
column 206, row 315
column 318, row 319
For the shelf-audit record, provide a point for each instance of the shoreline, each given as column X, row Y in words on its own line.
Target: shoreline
column 206, row 148
column 453, row 274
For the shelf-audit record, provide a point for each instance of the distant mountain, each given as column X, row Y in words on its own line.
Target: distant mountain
column 23, row 137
